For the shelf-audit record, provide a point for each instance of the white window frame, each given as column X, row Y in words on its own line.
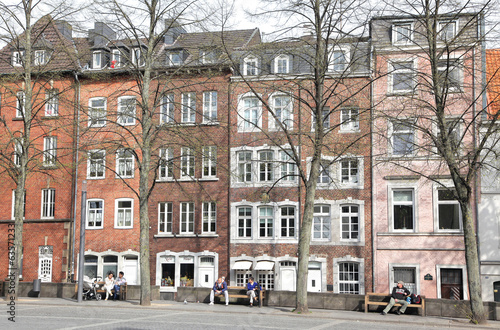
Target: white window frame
column 454, row 65
column 266, row 166
column 18, row 151
column 353, row 164
column 350, row 224
column 166, row 164
column 188, row 108
column 124, row 115
column 326, row 117
column 187, row 163
column 394, row 71
column 251, row 65
column 119, row 209
column 443, row 34
column 413, row 204
column 176, row 54
column 187, row 218
column 125, row 163
column 51, row 102
column 210, row 107
column 14, row 204
column 283, row 113
column 97, row 58
column 97, row 165
column 350, row 274
column 95, row 211
column 400, row 39
column 266, row 222
column 349, row 119
column 437, row 203
column 336, row 273
column 167, row 109
column 49, row 150
column 246, row 226
column 408, row 123
column 246, row 114
column 209, row 162
column 325, row 177
column 48, row 203
column 165, row 216
column 20, row 104
column 245, row 166
column 116, row 56
column 288, row 168
column 137, row 58
column 339, row 67
column 322, row 216
column 97, row 115
column 290, row 222
column 209, row 217
column 282, row 64
column 17, row 58
column 41, row 57
column 208, row 56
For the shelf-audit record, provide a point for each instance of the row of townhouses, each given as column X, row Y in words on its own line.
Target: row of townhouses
column 226, row 197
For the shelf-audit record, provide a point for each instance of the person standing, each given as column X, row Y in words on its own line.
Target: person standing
column 399, row 294
column 220, row 287
column 252, row 287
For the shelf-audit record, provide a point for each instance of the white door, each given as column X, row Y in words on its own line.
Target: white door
column 287, row 276
column 130, row 270
column 206, row 277
column 314, row 280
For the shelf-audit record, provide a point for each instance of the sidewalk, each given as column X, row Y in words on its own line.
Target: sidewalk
column 415, row 320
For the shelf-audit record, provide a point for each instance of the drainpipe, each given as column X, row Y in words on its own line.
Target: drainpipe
column 75, row 197
column 372, row 170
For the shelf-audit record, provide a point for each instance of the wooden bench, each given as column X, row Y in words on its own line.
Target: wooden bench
column 243, row 293
column 379, row 301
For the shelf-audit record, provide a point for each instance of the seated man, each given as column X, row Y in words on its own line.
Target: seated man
column 219, row 288
column 252, row 287
column 399, row 294
column 119, row 281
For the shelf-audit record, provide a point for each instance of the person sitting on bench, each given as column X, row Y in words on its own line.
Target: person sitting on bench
column 220, row 287
column 252, row 287
column 119, row 281
column 399, row 294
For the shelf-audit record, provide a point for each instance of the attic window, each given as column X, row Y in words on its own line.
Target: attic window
column 250, row 66
column 137, row 57
column 41, row 57
column 17, row 58
column 208, row 56
column 96, row 60
column 116, row 59
column 175, row 58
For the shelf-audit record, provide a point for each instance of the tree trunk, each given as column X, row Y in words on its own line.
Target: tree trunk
column 144, row 233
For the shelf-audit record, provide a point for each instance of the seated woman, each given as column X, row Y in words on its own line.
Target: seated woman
column 109, row 284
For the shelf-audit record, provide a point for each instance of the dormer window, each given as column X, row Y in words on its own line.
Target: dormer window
column 339, row 60
column 208, row 56
column 41, row 57
column 401, row 33
column 137, row 57
column 282, row 64
column 96, row 60
column 250, row 66
column 447, row 30
column 174, row 58
column 116, row 60
column 17, row 58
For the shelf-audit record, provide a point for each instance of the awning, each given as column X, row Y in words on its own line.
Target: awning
column 242, row 265
column 264, row 265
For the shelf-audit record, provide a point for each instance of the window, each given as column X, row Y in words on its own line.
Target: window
column 124, row 213
column 95, row 213
column 407, row 275
column 266, row 166
column 321, row 222
column 250, row 115
column 402, row 77
column 454, row 136
column 18, row 151
column 174, row 58
column 245, row 166
column 349, row 171
column 402, row 138
column 350, row 221
column 49, row 150
column 21, row 99
column 187, row 163
column 90, row 267
column 52, row 102
column 17, row 58
column 266, row 279
column 209, row 107
column 287, row 219
column 401, row 33
column 325, row 117
column 97, row 60
column 48, row 203
column 208, row 56
column 209, row 162
column 209, row 217
column 449, row 74
column 245, row 222
column 324, row 172
column 242, row 277
column 187, row 218
column 164, row 218
column 137, row 57
column 282, row 108
column 340, row 60
column 188, row 108
column 403, row 214
column 126, row 110
column 449, row 213
column 116, row 59
column 349, row 120
column 124, row 163
column 96, row 164
column 288, row 167
column 166, row 167
column 282, row 64
column 348, row 277
column 110, row 265
column 41, row 57
column 167, row 109
column 97, row 112
column 14, row 203
column 447, row 30
column 250, row 66
column 266, row 220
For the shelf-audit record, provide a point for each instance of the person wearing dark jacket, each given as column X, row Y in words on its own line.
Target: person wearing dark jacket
column 252, row 286
column 399, row 294
column 220, row 287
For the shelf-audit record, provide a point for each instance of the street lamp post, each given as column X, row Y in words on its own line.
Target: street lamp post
column 81, row 258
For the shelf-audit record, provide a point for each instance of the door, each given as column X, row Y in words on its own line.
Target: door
column 206, row 277
column 314, row 280
column 287, row 276
column 130, row 270
column 451, row 284
column 496, row 291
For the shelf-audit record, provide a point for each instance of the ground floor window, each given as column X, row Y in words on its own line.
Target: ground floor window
column 407, row 275
column 349, row 277
column 266, row 279
column 90, row 268
column 45, row 253
column 187, row 275
column 168, row 275
column 191, row 270
column 100, row 264
column 242, row 277
column 452, row 284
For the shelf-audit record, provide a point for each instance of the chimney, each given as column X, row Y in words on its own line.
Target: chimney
column 65, row 28
column 174, row 30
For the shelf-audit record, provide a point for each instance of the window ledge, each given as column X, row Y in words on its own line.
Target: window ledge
column 402, row 93
column 93, row 228
column 123, row 227
column 49, row 167
column 50, row 117
column 208, row 235
column 187, row 124
column 185, row 235
column 342, row 131
column 17, row 119
column 123, row 177
column 164, row 236
column 166, row 180
column 96, row 178
column 210, row 123
column 186, row 179
column 209, row 179
column 410, row 233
